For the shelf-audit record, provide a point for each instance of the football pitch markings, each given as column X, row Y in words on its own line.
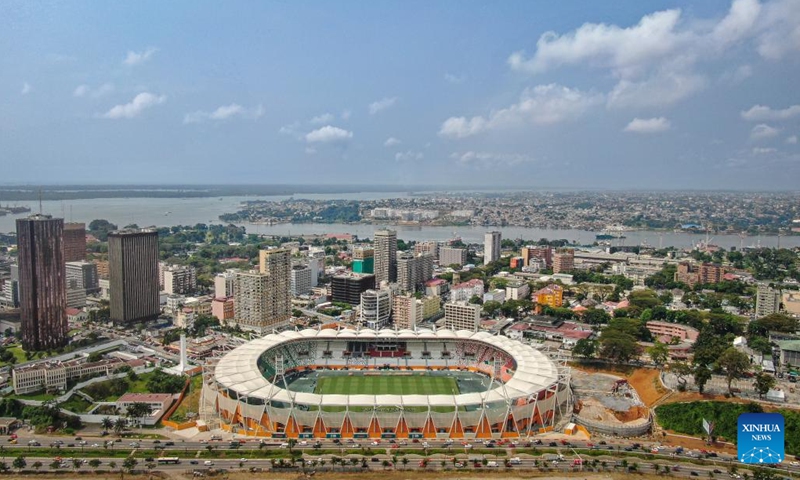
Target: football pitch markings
column 386, row 385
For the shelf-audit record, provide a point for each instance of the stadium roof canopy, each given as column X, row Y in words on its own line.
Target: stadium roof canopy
column 238, row 370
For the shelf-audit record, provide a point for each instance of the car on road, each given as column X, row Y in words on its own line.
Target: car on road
column 242, row 459
column 208, row 463
column 553, row 444
column 193, row 462
column 169, row 444
column 156, row 441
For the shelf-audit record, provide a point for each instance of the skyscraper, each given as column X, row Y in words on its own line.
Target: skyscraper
column 74, row 242
column 376, row 308
column 42, row 282
column 81, row 281
column 491, row 247
column 385, row 256
column 133, row 271
column 768, row 300
column 276, row 263
column 413, row 270
column 564, row 260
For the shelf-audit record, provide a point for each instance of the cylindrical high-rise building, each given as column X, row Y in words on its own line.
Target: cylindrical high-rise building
column 42, row 282
column 385, row 256
column 133, row 270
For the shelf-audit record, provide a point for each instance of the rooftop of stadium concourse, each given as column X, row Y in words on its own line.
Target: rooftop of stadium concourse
column 239, row 373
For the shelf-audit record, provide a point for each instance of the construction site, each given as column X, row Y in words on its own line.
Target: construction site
column 608, row 405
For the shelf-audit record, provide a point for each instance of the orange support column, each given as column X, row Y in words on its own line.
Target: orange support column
column 291, row 430
column 429, row 430
column 347, row 428
column 319, row 428
column 457, row 431
column 484, row 429
column 401, row 431
column 374, row 428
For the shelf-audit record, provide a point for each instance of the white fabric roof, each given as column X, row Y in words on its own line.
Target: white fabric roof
column 238, row 370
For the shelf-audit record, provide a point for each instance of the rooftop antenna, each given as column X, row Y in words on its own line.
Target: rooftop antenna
column 40, row 200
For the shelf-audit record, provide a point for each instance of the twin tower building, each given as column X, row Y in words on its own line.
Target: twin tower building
column 44, row 247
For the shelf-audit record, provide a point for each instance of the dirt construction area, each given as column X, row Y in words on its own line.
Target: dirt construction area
column 387, row 475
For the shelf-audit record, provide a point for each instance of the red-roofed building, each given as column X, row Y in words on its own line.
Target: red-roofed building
column 551, row 296
column 76, row 315
column 158, row 403
column 465, row 291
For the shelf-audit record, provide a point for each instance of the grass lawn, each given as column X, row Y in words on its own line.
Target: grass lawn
column 386, row 385
column 140, row 385
column 76, row 404
column 191, row 402
column 42, row 397
column 19, row 355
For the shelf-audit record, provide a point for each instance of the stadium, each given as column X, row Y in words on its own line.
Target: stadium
column 387, row 384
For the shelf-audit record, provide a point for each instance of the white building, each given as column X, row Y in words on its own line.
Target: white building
column 491, row 247
column 462, row 316
column 768, row 300
column 316, row 262
column 407, row 311
column 223, row 284
column 179, row 279
column 158, row 403
column 496, row 295
column 517, row 291
column 465, row 291
column 452, row 256
column 376, row 308
column 301, row 280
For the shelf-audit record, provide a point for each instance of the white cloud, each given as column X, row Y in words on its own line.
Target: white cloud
column 656, row 91
column 329, row 134
column 657, row 60
column 540, row 105
column 779, row 29
column 391, row 142
column 225, row 112
column 763, row 131
column 487, row 160
column 648, row 125
column 26, row 88
column 323, row 118
column 455, row 79
column 140, row 103
column 290, row 129
column 86, row 90
column 791, row 140
column 763, row 150
column 760, row 113
column 346, row 113
column 381, row 104
column 137, row 58
column 408, row 156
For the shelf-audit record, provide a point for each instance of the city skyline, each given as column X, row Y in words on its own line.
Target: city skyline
column 668, row 94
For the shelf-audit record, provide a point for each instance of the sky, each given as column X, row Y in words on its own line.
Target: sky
column 579, row 94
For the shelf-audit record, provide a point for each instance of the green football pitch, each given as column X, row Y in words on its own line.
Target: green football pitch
column 386, row 385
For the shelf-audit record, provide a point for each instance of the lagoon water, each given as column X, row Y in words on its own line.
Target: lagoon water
column 190, row 211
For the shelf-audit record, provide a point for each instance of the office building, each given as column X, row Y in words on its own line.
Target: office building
column 544, row 253
column 710, row 273
column 768, row 300
column 364, row 260
column 452, row 256
column 376, row 308
column 564, row 260
column 349, row 287
column 223, row 309
column 316, row 262
column 223, row 284
column 42, row 282
column 407, row 311
column 467, row 290
column 430, row 248
column 9, row 297
column 179, row 279
column 385, row 256
column 102, row 269
column 551, row 296
column 250, row 306
column 462, row 316
column 133, row 268
column 276, row 263
column 517, row 290
column 491, row 247
column 413, row 270
column 74, row 242
column 301, row 280
column 81, row 281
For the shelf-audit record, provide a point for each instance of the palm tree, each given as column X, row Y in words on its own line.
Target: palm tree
column 353, row 461
column 55, row 465
column 405, row 462
column 656, row 468
column 76, row 462
column 107, row 423
column 112, row 464
column 119, row 425
column 385, row 464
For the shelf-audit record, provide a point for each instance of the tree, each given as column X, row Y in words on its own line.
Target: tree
column 112, row 464
column 37, row 465
column 659, row 353
column 764, row 382
column 702, row 375
column 491, row 307
column 681, row 370
column 129, row 464
column 107, row 423
column 139, row 410
column 618, row 346
column 119, row 425
column 596, row 316
column 76, row 462
column 585, row 348
column 19, row 463
column 55, row 465
column 476, row 300
column 735, row 364
column 94, row 463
